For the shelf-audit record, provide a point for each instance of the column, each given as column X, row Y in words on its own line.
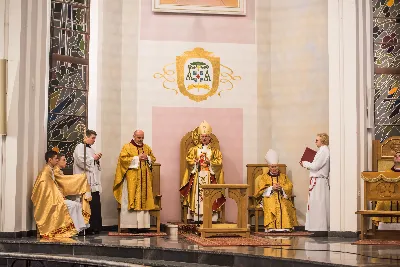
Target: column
column 348, row 75
column 26, row 50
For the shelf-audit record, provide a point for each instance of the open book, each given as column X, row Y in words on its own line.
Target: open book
column 308, row 155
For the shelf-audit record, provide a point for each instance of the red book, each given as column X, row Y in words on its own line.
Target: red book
column 308, row 155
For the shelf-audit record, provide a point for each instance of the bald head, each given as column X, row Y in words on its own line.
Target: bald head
column 138, row 137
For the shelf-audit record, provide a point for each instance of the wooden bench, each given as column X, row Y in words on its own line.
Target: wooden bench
column 378, row 186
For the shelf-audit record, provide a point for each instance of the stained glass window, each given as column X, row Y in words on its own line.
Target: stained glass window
column 386, row 32
column 69, row 75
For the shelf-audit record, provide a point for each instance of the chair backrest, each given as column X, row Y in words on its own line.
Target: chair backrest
column 383, row 152
column 156, row 179
column 191, row 139
column 381, row 186
column 254, row 170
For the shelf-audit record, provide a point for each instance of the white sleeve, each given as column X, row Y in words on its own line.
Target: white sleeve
column 79, row 157
column 318, row 162
column 284, row 194
column 267, row 192
column 149, row 159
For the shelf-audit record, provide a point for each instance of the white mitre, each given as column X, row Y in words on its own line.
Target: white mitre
column 272, row 157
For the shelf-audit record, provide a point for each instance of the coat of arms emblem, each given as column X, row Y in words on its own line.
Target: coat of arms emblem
column 198, row 75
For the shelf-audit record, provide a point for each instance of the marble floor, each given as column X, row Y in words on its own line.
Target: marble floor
column 338, row 251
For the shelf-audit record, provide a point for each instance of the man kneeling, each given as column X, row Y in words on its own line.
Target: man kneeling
column 56, row 216
column 275, row 191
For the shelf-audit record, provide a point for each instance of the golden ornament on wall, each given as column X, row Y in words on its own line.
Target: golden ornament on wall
column 197, row 74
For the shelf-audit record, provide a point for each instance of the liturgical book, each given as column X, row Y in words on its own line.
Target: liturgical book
column 308, row 155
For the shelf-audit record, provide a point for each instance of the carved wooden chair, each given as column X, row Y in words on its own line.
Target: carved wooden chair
column 191, row 139
column 254, row 209
column 382, row 160
column 157, row 200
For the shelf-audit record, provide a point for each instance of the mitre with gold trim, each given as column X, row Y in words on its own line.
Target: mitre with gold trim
column 205, row 128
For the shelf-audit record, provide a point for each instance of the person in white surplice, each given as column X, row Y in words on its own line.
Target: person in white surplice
column 133, row 188
column 317, row 216
column 93, row 173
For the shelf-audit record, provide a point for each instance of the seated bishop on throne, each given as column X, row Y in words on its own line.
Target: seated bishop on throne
column 274, row 189
column 203, row 166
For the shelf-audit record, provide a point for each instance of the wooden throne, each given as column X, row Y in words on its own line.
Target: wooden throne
column 254, row 209
column 189, row 140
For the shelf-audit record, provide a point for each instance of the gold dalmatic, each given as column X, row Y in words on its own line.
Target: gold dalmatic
column 139, row 181
column 51, row 214
column 73, row 185
column 279, row 212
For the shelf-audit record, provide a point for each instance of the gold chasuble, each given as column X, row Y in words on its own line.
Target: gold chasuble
column 51, row 214
column 389, row 206
column 139, row 180
column 73, row 185
column 195, row 174
column 279, row 212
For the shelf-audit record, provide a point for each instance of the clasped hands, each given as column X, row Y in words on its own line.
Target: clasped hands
column 97, row 156
column 142, row 157
column 277, row 187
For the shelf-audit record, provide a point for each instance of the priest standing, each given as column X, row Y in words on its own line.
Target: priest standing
column 93, row 172
column 317, row 216
column 133, row 183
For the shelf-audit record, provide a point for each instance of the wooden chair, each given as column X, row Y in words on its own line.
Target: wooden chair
column 157, row 200
column 254, row 209
column 189, row 140
column 382, row 160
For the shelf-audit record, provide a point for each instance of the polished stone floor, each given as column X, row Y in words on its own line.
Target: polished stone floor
column 338, row 251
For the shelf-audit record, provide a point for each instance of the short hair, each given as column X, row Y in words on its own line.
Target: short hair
column 89, row 133
column 324, row 138
column 49, row 155
column 60, row 155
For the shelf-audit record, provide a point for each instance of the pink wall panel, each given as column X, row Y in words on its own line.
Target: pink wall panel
column 170, row 124
column 197, row 27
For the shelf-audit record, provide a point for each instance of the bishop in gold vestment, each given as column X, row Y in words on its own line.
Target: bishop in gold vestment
column 55, row 216
column 133, row 181
column 204, row 166
column 275, row 190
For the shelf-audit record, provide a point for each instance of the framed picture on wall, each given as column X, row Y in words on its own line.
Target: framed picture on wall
column 227, row 7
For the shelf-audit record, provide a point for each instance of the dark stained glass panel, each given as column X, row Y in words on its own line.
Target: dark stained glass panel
column 68, row 77
column 386, row 34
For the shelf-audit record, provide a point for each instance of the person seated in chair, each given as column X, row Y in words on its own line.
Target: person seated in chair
column 73, row 187
column 388, row 223
column 275, row 190
column 55, row 216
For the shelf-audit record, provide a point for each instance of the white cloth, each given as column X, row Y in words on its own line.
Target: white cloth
column 317, row 216
column 75, row 211
column 93, row 170
column 132, row 219
column 388, row 226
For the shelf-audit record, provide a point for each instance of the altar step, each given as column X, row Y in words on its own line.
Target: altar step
column 24, row 259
